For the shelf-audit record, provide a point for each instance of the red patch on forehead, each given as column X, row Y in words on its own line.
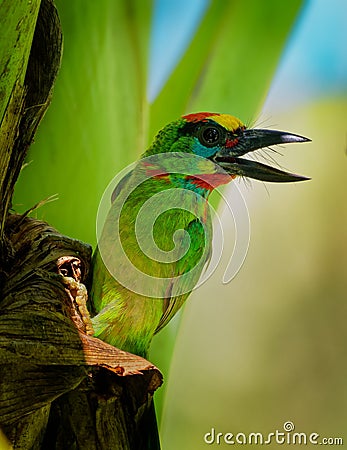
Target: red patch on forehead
column 199, row 116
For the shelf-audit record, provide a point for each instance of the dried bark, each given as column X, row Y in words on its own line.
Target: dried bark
column 60, row 388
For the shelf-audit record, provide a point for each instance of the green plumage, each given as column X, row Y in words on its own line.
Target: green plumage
column 156, row 240
column 129, row 320
column 157, row 236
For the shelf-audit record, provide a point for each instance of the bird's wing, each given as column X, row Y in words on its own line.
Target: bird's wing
column 197, row 254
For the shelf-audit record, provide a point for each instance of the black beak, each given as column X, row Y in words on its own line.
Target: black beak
column 250, row 140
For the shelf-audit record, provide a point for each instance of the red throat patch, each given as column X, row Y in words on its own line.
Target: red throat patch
column 210, row 181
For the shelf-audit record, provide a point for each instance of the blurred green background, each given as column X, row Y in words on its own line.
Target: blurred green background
column 268, row 347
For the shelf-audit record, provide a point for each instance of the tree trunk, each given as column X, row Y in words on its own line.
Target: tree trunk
column 60, row 388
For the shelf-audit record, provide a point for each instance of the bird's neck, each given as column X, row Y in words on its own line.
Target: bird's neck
column 203, row 183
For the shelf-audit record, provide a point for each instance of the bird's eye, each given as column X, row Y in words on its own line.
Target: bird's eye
column 209, row 136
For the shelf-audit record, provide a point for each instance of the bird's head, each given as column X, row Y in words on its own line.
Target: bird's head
column 220, row 140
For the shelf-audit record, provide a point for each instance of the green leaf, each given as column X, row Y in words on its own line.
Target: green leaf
column 230, row 62
column 173, row 99
column 17, row 25
column 244, row 57
column 96, row 123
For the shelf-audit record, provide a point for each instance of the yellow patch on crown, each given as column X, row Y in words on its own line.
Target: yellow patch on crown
column 230, row 123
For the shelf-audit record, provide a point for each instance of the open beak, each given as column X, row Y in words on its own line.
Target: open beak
column 252, row 139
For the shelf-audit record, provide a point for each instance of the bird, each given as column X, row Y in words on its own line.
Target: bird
column 157, row 236
column 134, row 295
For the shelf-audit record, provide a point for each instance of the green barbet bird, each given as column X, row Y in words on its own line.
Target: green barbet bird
column 156, row 240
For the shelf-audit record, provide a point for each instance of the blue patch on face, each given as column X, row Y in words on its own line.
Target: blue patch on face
column 203, row 151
